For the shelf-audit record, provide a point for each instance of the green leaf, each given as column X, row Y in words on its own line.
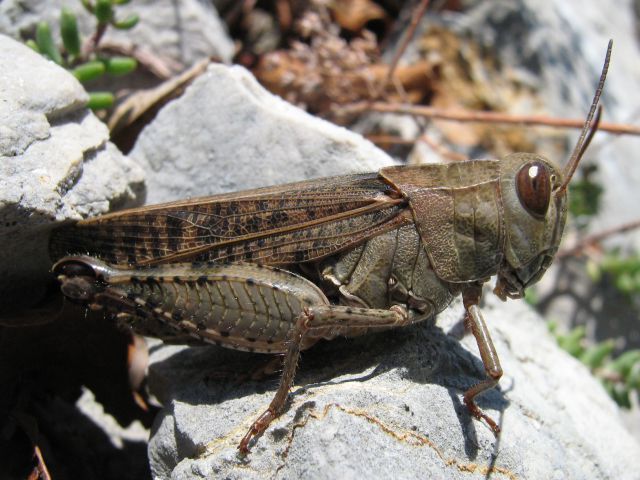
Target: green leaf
column 594, row 356
column 103, row 11
column 120, row 65
column 100, row 100
column 633, row 379
column 624, row 270
column 32, row 45
column 616, row 264
column 594, row 271
column 584, row 198
column 121, row 2
column 69, row 32
column 608, row 386
column 572, row 342
column 621, row 395
column 88, row 6
column 89, row 71
column 127, row 23
column 622, row 365
column 45, row 43
column 585, row 194
column 625, row 283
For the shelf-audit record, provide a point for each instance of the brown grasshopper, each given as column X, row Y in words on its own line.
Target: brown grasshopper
column 276, row 269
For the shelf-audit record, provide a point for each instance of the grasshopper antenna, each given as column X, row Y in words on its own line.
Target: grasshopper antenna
column 590, row 126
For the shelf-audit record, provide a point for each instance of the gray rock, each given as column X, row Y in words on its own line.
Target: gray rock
column 227, row 133
column 389, row 406
column 179, row 34
column 55, row 164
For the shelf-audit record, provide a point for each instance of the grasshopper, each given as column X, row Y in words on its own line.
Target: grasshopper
column 276, row 269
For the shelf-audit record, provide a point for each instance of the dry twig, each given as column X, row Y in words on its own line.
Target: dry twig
column 441, row 150
column 163, row 68
column 40, row 471
column 417, row 15
column 461, row 115
column 597, row 238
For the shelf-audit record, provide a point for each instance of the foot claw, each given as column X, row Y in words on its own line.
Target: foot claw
column 475, row 411
column 257, row 428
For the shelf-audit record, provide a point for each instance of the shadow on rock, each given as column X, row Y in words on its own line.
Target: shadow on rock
column 422, row 354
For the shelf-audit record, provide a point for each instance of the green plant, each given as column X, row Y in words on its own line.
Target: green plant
column 83, row 57
column 584, row 196
column 622, row 269
column 620, row 375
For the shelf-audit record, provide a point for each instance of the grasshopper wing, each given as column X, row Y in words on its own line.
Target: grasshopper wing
column 279, row 225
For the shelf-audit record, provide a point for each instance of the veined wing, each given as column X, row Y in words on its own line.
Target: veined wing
column 274, row 226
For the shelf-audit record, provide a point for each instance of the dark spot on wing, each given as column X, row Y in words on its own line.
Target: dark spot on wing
column 174, row 232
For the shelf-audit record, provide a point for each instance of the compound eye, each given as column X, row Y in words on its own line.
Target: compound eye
column 533, row 184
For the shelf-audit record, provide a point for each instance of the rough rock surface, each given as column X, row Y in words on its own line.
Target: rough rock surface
column 178, row 33
column 227, row 133
column 56, row 163
column 389, row 406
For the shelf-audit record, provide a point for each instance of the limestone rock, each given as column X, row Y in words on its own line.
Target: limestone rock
column 390, row 406
column 227, row 133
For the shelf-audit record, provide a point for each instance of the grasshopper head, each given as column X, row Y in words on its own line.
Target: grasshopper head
column 534, row 214
column 534, row 195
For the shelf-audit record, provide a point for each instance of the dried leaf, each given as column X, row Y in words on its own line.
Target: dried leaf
column 319, row 86
column 137, row 360
column 40, row 471
column 135, row 112
column 469, row 79
column 353, row 15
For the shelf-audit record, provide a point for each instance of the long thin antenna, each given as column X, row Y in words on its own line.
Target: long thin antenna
column 589, row 128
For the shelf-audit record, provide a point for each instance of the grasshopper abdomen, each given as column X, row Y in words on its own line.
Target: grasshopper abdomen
column 244, row 307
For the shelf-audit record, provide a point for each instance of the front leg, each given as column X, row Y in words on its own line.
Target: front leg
column 488, row 354
column 312, row 320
